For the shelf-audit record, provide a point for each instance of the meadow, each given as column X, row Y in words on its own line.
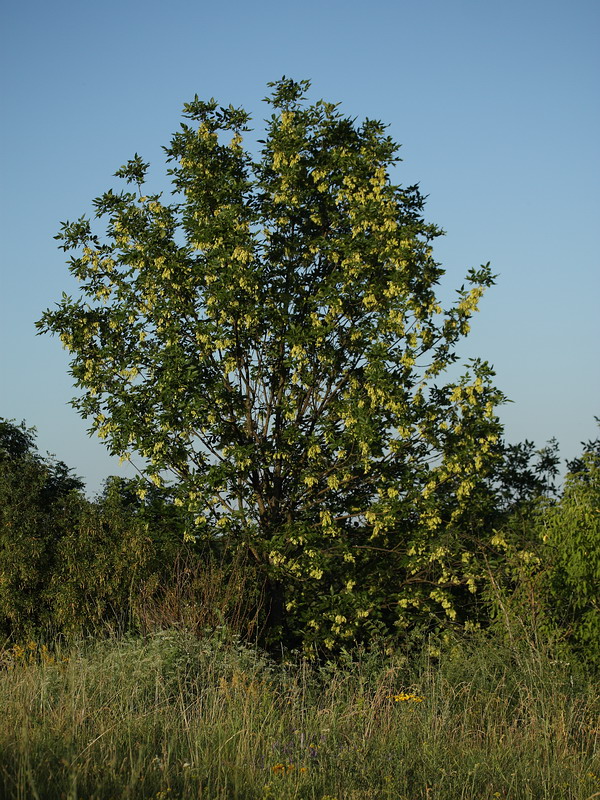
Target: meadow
column 130, row 664
column 173, row 715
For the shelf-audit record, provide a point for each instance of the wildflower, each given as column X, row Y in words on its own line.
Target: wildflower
column 406, row 697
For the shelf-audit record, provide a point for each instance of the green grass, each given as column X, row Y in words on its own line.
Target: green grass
column 170, row 717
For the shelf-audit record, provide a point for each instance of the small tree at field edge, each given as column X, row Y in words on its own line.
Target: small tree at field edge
column 271, row 341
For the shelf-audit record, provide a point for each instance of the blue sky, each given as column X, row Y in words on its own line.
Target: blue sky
column 496, row 106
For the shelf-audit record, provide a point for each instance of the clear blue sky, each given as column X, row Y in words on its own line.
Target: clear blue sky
column 496, row 105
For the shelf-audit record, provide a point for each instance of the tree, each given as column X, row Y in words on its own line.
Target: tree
column 271, row 340
column 34, row 492
column 545, row 584
column 570, row 530
column 70, row 565
column 18, row 452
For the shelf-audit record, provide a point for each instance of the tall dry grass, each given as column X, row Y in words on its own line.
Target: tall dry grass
column 171, row 716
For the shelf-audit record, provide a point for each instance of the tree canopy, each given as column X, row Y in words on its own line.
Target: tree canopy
column 270, row 340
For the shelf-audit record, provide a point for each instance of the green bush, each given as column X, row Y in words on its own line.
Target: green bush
column 73, row 566
column 571, row 533
column 32, row 489
column 544, row 583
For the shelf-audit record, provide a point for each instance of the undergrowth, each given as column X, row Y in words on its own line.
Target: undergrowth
column 173, row 716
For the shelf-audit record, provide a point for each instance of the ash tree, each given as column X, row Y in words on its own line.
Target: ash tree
column 269, row 341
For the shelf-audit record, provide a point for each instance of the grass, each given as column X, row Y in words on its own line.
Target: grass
column 170, row 717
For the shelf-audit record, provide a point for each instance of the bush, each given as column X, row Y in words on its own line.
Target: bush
column 571, row 534
column 73, row 566
column 32, row 489
column 545, row 584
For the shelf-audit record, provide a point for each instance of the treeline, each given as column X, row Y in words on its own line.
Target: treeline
column 70, row 565
column 123, row 562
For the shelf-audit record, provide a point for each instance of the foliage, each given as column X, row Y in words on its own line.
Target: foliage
column 271, row 339
column 32, row 489
column 544, row 578
column 18, row 451
column 571, row 533
column 104, row 559
column 64, row 562
column 69, row 565
column 16, row 441
column 523, row 474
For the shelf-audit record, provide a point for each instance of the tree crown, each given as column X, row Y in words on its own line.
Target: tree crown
column 272, row 338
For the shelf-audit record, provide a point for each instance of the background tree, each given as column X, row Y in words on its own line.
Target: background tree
column 570, row 530
column 34, row 492
column 271, row 341
column 69, row 565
